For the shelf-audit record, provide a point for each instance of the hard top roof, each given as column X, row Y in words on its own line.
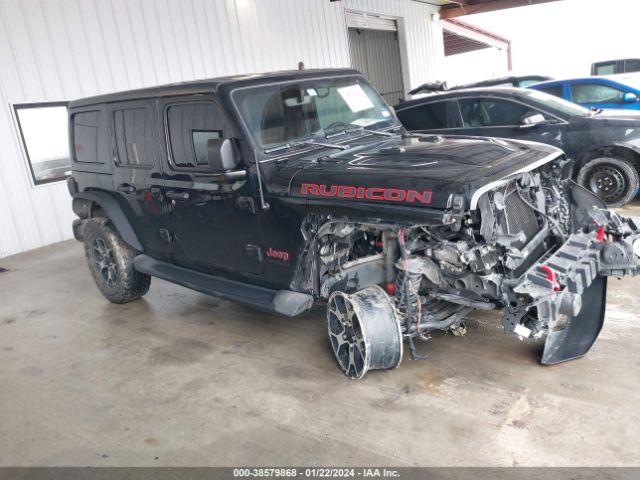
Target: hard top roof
column 209, row 85
column 616, row 60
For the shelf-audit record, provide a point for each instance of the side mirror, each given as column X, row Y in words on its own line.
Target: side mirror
column 222, row 154
column 532, row 120
column 224, row 158
column 629, row 97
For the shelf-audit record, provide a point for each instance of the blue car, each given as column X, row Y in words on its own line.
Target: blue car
column 596, row 92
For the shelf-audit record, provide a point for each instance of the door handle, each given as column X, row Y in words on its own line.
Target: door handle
column 177, row 195
column 126, row 188
column 253, row 251
column 246, row 203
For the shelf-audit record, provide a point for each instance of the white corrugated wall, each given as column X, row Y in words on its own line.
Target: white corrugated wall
column 52, row 50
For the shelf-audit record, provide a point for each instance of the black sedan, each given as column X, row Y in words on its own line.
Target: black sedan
column 604, row 144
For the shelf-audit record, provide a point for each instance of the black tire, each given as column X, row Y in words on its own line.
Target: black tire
column 111, row 263
column 614, row 180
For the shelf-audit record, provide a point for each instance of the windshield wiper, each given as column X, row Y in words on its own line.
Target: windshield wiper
column 380, row 132
column 311, row 141
column 333, row 157
column 362, row 129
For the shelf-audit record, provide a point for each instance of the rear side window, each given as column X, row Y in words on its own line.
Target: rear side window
column 192, row 127
column 89, row 139
column 632, row 65
column 525, row 82
column 132, row 129
column 605, row 69
column 431, row 116
column 595, row 93
column 555, row 90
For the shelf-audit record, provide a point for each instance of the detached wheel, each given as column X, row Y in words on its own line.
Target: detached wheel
column 614, row 180
column 111, row 263
column 364, row 331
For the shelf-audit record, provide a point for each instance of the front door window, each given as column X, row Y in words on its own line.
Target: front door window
column 191, row 126
column 594, row 93
column 493, row 112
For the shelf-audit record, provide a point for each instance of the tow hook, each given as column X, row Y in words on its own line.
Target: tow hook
column 552, row 277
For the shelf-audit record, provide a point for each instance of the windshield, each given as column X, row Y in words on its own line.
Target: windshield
column 282, row 114
column 556, row 103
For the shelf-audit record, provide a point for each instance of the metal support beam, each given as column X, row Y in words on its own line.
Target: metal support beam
column 470, row 7
column 472, row 38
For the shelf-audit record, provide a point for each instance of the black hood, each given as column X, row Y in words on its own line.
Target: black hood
column 411, row 170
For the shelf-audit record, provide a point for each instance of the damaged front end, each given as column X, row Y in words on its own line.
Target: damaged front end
column 564, row 294
column 534, row 244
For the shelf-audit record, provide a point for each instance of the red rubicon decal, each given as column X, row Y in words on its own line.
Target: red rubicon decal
column 278, row 254
column 367, row 193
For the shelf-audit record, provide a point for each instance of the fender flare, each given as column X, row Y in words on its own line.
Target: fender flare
column 114, row 211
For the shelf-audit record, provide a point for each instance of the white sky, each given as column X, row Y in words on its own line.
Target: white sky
column 560, row 39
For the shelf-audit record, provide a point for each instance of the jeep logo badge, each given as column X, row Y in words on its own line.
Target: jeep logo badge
column 367, row 193
column 278, row 254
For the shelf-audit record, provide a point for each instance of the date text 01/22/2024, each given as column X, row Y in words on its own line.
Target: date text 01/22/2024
column 316, row 472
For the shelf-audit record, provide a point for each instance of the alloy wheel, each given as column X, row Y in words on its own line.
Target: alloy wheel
column 346, row 336
column 104, row 261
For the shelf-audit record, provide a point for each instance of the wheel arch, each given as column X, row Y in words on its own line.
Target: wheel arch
column 624, row 151
column 89, row 204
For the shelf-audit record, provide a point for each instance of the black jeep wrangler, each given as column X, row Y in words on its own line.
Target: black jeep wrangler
column 284, row 189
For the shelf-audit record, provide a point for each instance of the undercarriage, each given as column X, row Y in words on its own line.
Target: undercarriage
column 535, row 245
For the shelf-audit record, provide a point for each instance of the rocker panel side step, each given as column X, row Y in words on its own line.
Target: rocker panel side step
column 284, row 302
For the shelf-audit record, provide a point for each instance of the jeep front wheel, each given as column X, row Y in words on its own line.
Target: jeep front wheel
column 364, row 331
column 614, row 180
column 111, row 263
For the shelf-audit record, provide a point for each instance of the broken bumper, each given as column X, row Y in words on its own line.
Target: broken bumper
column 568, row 289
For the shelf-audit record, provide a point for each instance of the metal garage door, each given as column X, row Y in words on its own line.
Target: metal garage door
column 375, row 51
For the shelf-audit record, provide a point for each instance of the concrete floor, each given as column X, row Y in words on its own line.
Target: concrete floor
column 179, row 378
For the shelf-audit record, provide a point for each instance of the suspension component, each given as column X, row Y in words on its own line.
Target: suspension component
column 407, row 299
column 410, row 312
column 390, row 242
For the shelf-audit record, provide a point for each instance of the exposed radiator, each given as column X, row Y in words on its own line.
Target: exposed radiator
column 519, row 217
